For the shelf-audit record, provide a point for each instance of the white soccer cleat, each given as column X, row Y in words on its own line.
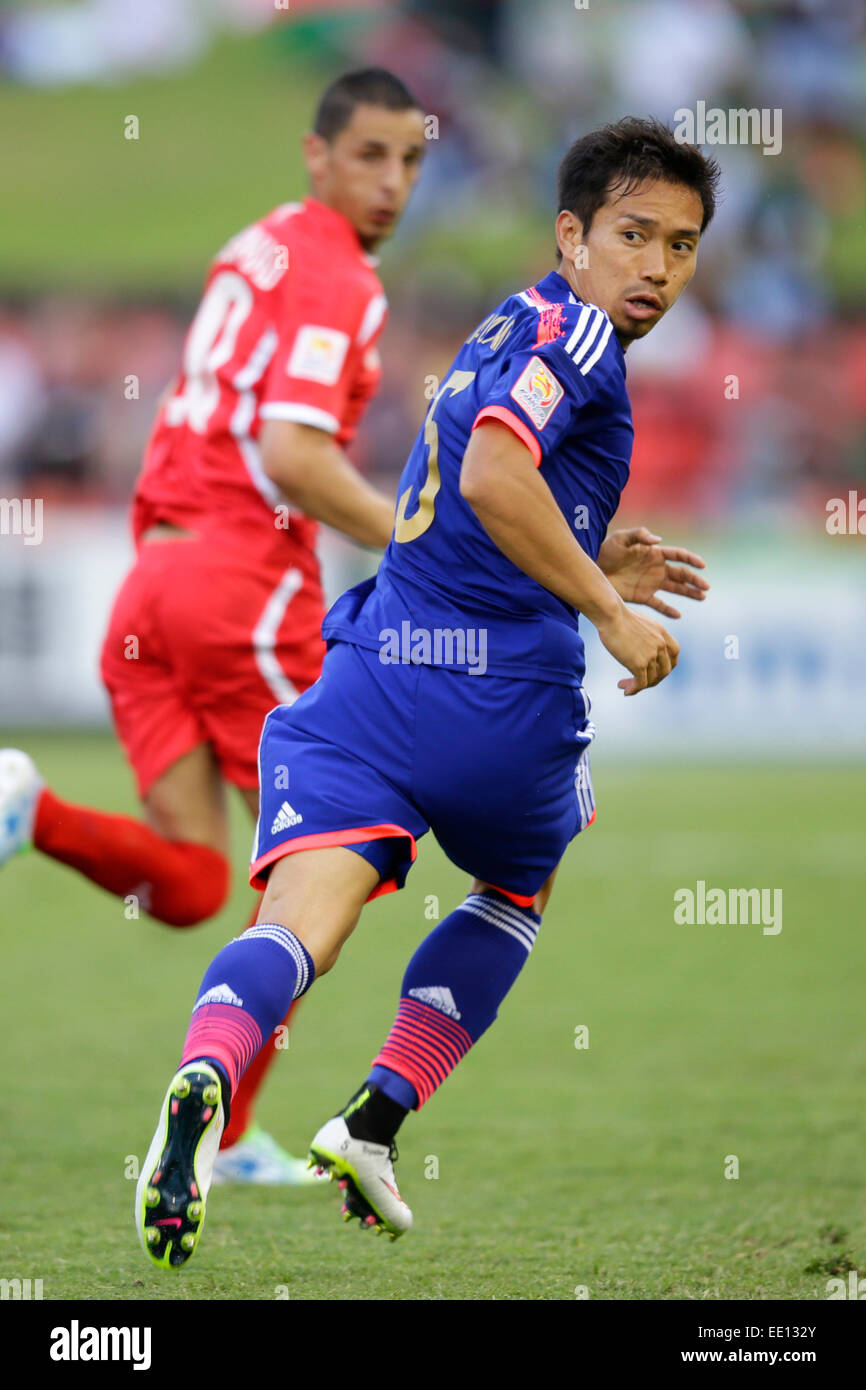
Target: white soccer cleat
column 366, row 1176
column 176, row 1176
column 257, row 1159
column 20, row 786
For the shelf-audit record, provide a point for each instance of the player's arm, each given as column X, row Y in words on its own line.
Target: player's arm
column 638, row 565
column 315, row 475
column 501, row 483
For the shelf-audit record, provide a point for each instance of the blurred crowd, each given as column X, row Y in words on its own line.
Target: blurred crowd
column 749, row 399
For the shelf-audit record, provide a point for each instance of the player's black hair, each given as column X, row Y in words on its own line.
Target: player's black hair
column 616, row 158
column 370, row 86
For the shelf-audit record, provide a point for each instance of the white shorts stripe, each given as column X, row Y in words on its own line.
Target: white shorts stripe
column 265, row 638
column 584, row 789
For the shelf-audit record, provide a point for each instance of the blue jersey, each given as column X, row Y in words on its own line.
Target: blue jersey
column 552, row 369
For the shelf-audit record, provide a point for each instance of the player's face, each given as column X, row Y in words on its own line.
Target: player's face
column 640, row 254
column 368, row 171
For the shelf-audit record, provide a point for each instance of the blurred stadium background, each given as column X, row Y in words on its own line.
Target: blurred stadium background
column 738, row 1042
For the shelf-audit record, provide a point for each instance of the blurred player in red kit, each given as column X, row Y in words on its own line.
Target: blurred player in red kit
column 219, row 619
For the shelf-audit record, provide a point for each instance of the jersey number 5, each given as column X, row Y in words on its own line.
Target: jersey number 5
column 409, row 528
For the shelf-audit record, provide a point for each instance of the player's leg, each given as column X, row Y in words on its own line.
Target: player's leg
column 176, row 864
column 188, row 801
column 479, row 949
column 311, row 906
column 450, row 995
column 180, row 876
column 461, row 973
column 231, row 699
column 248, row 1153
column 315, row 888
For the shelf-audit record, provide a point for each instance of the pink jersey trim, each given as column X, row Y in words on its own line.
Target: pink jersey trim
column 514, row 423
column 537, row 297
column 328, row 838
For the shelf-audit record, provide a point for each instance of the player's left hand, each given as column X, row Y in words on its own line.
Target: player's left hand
column 638, row 565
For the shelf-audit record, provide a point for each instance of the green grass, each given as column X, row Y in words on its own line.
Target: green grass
column 558, row 1167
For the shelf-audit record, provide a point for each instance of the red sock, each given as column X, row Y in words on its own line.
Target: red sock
column 176, row 881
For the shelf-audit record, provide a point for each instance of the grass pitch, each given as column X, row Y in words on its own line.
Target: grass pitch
column 543, row 1169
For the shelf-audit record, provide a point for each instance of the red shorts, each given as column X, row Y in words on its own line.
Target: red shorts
column 202, row 642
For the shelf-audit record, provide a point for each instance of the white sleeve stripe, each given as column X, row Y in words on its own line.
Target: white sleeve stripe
column 578, row 328
column 527, row 299
column 300, row 414
column 590, row 337
column 373, row 316
column 590, row 363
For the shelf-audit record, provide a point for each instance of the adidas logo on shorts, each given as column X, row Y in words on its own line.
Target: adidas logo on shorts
column 438, row 997
column 285, row 818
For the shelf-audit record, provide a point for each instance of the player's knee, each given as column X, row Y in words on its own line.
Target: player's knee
column 195, row 891
column 328, row 963
column 542, row 897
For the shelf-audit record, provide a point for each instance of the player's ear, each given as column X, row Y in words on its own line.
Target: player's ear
column 316, row 150
column 569, row 234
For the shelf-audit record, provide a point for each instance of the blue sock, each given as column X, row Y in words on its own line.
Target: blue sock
column 245, row 994
column 452, row 990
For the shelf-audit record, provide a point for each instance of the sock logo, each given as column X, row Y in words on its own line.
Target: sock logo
column 438, row 997
column 219, row 994
column 285, row 818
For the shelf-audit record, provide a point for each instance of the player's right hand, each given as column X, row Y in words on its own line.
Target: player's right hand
column 642, row 646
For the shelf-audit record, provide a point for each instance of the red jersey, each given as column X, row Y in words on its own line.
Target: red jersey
column 286, row 329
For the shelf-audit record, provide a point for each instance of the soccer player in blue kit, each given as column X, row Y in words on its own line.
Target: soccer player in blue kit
column 452, row 696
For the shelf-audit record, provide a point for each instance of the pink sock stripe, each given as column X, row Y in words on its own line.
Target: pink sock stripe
column 226, row 1033
column 441, row 1023
column 404, row 1066
column 432, row 1024
column 413, row 1034
column 434, row 1075
column 437, row 1059
column 424, row 1046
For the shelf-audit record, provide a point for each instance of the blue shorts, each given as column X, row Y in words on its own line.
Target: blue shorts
column 373, row 756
